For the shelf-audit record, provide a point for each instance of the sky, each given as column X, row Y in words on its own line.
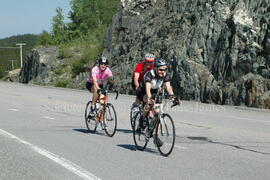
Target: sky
column 29, row 16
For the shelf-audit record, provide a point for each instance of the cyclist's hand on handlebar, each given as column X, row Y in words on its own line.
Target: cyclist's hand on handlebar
column 175, row 100
column 150, row 101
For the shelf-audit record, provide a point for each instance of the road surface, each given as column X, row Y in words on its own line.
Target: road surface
column 43, row 136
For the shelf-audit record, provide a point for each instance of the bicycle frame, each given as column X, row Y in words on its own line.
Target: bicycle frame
column 158, row 97
column 105, row 100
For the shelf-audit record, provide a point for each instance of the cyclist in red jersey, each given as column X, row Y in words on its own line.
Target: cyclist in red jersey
column 139, row 73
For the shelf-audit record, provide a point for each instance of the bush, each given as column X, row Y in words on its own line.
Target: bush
column 45, row 39
column 92, row 51
column 62, row 83
column 64, row 51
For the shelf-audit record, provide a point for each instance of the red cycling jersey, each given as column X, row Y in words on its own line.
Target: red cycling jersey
column 141, row 69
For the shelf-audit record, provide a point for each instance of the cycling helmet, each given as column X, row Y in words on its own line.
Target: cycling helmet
column 103, row 60
column 160, row 62
column 149, row 57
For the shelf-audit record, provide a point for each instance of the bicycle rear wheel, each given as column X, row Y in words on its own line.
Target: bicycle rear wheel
column 110, row 120
column 165, row 131
column 90, row 121
column 132, row 116
column 139, row 133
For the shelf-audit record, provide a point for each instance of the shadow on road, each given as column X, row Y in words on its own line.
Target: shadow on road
column 133, row 148
column 127, row 146
column 124, row 130
column 81, row 130
column 231, row 144
column 87, row 132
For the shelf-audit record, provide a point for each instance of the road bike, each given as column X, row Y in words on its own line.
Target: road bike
column 105, row 115
column 158, row 125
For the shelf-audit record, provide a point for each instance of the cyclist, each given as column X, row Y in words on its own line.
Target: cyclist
column 139, row 73
column 152, row 82
column 96, row 80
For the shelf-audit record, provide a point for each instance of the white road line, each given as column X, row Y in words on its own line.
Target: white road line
column 47, row 117
column 74, row 168
column 13, row 109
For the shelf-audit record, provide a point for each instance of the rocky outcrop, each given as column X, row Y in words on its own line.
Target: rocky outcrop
column 218, row 51
column 12, row 76
column 45, row 66
column 38, row 65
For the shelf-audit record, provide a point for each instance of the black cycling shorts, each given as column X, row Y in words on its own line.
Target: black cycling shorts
column 89, row 86
column 141, row 92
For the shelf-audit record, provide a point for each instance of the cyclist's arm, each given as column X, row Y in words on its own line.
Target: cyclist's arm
column 169, row 88
column 148, row 91
column 136, row 79
column 95, row 82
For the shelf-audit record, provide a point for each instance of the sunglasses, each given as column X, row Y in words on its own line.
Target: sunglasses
column 160, row 69
column 103, row 64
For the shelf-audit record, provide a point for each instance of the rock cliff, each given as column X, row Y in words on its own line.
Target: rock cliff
column 218, row 50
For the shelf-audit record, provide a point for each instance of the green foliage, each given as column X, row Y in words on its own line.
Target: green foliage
column 45, row 39
column 65, row 51
column 7, row 54
column 87, row 15
column 78, row 65
column 59, row 32
column 61, row 83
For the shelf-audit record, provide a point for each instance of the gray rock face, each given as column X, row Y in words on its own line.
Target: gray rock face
column 38, row 64
column 218, row 51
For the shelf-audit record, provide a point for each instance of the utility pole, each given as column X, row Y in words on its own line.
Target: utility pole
column 21, row 44
column 12, row 64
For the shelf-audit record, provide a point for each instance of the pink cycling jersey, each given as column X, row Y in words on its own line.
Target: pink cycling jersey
column 100, row 75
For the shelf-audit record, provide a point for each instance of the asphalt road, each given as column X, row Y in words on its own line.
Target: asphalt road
column 43, row 136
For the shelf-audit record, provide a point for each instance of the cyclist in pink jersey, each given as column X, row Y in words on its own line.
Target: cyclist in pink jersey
column 96, row 79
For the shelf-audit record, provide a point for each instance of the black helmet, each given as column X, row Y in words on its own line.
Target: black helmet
column 103, row 60
column 160, row 62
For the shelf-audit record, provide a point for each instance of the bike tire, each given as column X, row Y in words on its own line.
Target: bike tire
column 165, row 131
column 90, row 122
column 110, row 120
column 139, row 137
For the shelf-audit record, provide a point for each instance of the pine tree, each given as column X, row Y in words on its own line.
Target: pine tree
column 59, row 29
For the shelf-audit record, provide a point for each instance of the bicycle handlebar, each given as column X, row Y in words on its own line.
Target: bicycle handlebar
column 104, row 92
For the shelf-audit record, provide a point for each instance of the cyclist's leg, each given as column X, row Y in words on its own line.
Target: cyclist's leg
column 101, row 95
column 95, row 95
column 157, row 140
column 89, row 87
column 142, row 124
column 138, row 98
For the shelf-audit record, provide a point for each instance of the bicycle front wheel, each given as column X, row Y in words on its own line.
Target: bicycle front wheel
column 139, row 133
column 165, row 131
column 90, row 121
column 110, row 120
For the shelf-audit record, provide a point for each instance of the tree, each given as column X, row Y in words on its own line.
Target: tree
column 59, row 29
column 45, row 39
column 88, row 15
